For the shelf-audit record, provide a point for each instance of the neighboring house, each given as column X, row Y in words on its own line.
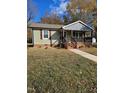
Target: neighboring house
column 61, row 35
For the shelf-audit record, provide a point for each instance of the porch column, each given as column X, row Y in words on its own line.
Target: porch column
column 91, row 35
column 50, row 39
column 63, row 35
column 61, row 39
column 84, row 36
column 71, row 34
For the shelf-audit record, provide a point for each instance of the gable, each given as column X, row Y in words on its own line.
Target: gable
column 79, row 26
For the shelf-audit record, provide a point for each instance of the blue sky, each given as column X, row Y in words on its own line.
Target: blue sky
column 58, row 6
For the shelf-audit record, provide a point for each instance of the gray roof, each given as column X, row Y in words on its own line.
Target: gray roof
column 78, row 25
column 56, row 26
column 47, row 26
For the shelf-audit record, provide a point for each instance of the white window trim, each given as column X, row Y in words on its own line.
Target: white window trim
column 43, row 33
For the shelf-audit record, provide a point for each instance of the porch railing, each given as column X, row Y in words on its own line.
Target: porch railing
column 74, row 42
column 63, row 42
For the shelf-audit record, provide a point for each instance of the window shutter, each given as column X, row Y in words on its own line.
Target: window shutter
column 41, row 34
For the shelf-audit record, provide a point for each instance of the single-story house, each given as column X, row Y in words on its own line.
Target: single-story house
column 61, row 35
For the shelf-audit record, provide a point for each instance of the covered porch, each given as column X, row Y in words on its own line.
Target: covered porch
column 75, row 35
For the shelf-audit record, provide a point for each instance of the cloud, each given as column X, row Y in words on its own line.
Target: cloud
column 61, row 8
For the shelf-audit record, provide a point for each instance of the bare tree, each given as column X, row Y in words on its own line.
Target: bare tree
column 51, row 18
column 31, row 14
column 31, row 11
column 81, row 10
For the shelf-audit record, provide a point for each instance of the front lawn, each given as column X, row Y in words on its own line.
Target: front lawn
column 59, row 71
column 91, row 50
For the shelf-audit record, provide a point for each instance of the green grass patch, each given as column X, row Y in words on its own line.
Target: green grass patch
column 60, row 71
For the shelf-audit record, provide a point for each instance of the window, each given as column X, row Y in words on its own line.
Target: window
column 77, row 35
column 45, row 33
column 80, row 35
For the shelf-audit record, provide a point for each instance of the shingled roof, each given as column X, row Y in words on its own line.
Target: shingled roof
column 81, row 26
column 47, row 26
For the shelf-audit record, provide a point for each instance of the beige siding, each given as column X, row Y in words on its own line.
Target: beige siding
column 55, row 37
column 36, row 34
column 68, row 35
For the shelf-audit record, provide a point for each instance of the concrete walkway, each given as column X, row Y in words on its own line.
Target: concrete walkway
column 84, row 54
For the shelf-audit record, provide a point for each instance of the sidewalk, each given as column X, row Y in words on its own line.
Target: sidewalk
column 84, row 54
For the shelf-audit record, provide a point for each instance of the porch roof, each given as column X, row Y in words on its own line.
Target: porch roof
column 78, row 26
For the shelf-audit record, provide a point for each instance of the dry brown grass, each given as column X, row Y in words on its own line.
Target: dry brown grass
column 91, row 50
column 59, row 71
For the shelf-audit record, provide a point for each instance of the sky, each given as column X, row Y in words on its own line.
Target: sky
column 58, row 6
